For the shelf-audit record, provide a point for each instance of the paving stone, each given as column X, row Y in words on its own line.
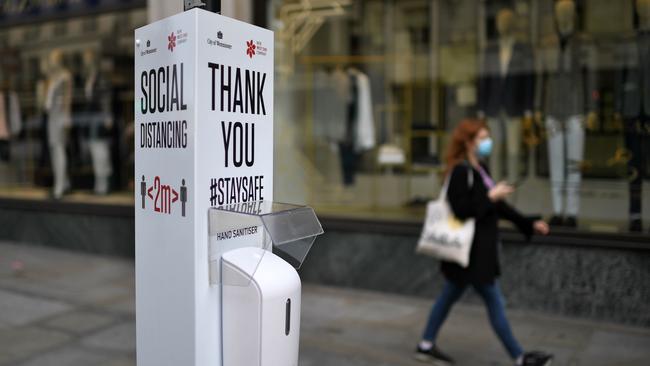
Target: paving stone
column 126, row 361
column 18, row 310
column 93, row 325
column 80, row 322
column 21, row 343
column 68, row 356
column 117, row 338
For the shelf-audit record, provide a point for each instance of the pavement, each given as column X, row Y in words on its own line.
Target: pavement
column 60, row 308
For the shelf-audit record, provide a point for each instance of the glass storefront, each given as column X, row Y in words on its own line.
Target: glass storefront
column 66, row 97
column 367, row 92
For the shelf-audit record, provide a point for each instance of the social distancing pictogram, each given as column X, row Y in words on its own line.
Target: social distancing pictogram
column 162, row 197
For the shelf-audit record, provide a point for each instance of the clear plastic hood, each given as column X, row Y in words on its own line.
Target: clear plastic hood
column 287, row 230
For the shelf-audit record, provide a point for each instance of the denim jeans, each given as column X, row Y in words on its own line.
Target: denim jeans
column 566, row 145
column 493, row 299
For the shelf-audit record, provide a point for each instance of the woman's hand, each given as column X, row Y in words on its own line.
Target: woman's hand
column 500, row 191
column 541, row 227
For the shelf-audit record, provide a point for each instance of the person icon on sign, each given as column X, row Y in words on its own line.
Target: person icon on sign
column 183, row 197
column 143, row 191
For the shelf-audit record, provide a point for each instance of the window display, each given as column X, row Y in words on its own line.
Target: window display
column 548, row 80
column 66, row 103
column 366, row 95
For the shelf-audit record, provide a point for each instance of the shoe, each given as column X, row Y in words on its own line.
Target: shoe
column 571, row 222
column 636, row 226
column 556, row 221
column 433, row 355
column 537, row 358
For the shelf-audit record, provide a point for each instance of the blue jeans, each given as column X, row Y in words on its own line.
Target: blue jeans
column 493, row 299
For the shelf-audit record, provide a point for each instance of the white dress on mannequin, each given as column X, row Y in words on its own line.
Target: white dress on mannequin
column 57, row 104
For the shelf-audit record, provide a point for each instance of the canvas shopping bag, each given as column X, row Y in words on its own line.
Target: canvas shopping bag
column 444, row 236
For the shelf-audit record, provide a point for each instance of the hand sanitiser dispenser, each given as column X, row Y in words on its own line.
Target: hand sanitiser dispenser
column 254, row 250
column 262, row 320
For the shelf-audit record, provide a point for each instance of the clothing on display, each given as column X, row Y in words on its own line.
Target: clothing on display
column 566, row 140
column 343, row 115
column 58, row 106
column 507, row 133
column 331, row 93
column 566, row 94
column 100, row 155
column 568, row 85
column 632, row 102
column 365, row 122
column 97, row 106
column 98, row 120
column 349, row 162
column 347, row 152
column 632, row 92
column 506, row 80
column 10, row 122
column 60, row 168
column 506, row 94
column 637, row 142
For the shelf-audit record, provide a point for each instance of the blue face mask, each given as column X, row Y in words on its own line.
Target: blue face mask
column 484, row 148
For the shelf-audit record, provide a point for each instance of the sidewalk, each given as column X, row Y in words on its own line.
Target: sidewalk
column 70, row 309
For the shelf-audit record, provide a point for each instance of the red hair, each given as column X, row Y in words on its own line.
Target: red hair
column 463, row 134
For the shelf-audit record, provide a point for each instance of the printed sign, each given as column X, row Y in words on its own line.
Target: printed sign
column 203, row 138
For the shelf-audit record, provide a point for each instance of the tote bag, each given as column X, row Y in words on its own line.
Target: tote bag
column 444, row 236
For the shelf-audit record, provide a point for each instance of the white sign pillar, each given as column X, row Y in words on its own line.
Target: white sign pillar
column 203, row 138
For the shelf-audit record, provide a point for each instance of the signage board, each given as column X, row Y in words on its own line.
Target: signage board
column 203, row 138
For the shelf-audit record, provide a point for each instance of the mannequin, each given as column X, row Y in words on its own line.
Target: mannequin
column 506, row 94
column 98, row 120
column 632, row 106
column 58, row 104
column 566, row 95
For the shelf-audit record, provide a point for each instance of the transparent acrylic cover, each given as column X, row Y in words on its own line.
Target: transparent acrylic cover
column 284, row 229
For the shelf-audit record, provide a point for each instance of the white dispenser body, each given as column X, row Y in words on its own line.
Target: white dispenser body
column 260, row 309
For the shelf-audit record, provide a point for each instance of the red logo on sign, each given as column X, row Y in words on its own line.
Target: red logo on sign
column 172, row 42
column 250, row 48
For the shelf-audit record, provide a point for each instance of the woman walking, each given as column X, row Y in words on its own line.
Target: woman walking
column 484, row 201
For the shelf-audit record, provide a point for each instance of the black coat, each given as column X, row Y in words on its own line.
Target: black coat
column 513, row 92
column 473, row 202
column 632, row 91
